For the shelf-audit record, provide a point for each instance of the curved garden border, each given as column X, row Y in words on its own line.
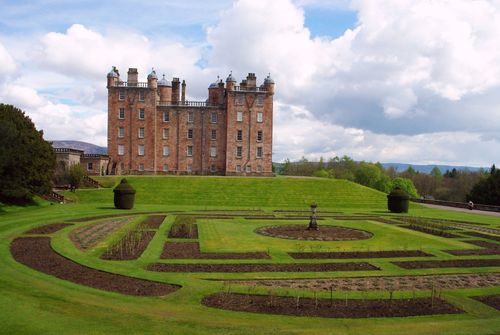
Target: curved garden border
column 324, row 233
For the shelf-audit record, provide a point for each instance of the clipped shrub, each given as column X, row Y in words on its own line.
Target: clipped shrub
column 124, row 195
column 398, row 201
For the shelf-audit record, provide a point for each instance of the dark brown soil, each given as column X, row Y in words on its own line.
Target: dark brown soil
column 36, row 253
column 385, row 283
column 48, row 229
column 359, row 254
column 191, row 250
column 490, row 300
column 303, row 211
column 335, row 308
column 489, row 237
column 324, row 233
column 131, row 246
column 152, row 222
column 459, row 263
column 489, row 249
column 317, row 267
column 183, row 231
column 429, row 231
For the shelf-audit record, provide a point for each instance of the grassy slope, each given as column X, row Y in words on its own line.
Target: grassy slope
column 38, row 303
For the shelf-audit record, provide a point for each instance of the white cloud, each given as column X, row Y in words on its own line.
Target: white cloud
column 8, row 64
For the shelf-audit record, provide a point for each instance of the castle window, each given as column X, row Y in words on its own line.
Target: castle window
column 190, row 150
column 213, row 117
column 240, row 99
column 238, row 168
column 213, row 168
column 190, row 134
column 121, row 113
column 248, row 169
column 259, row 152
column 166, row 133
column 239, row 116
column 259, row 136
column 141, row 133
column 190, row 168
column 259, row 169
column 140, row 149
column 121, row 132
column 165, row 167
column 239, row 135
column 213, row 151
column 214, row 134
column 166, row 117
column 259, row 101
column 141, row 167
column 121, row 95
column 90, row 166
column 166, row 150
column 259, row 117
column 121, row 150
column 190, row 117
column 141, row 113
column 142, row 95
column 239, row 151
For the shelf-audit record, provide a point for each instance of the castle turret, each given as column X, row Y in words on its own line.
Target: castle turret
column 230, row 82
column 216, row 92
column 113, row 77
column 152, row 80
column 269, row 84
column 175, row 90
column 165, row 89
column 132, row 77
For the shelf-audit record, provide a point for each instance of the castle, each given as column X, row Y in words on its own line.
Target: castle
column 153, row 129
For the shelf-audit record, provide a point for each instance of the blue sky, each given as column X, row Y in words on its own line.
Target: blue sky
column 394, row 80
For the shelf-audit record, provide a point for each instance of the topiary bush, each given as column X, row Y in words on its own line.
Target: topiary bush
column 398, row 201
column 124, row 195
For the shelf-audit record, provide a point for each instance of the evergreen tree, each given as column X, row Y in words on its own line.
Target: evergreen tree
column 27, row 161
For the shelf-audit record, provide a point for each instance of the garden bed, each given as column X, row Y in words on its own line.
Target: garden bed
column 431, row 231
column 152, row 222
column 489, row 249
column 458, row 263
column 490, row 300
column 316, row 267
column 185, row 228
column 359, row 254
column 87, row 236
column 324, row 233
column 191, row 250
column 385, row 283
column 36, row 253
column 131, row 246
column 486, row 236
column 329, row 308
column 48, row 229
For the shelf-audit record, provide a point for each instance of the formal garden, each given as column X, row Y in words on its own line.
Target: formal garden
column 235, row 256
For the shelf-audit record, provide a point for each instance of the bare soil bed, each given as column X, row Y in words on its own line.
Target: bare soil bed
column 36, row 253
column 48, row 229
column 334, row 308
column 87, row 236
column 489, row 249
column 191, row 250
column 317, row 267
column 324, row 233
column 131, row 246
column 431, row 231
column 152, row 222
column 386, row 283
column 359, row 254
column 490, row 300
column 476, row 234
column 458, row 263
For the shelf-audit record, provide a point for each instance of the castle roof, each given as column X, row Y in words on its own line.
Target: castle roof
column 230, row 77
column 112, row 73
column 152, row 75
column 163, row 82
column 268, row 80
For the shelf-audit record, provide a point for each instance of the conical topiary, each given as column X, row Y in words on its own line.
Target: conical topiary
column 124, row 195
column 398, row 201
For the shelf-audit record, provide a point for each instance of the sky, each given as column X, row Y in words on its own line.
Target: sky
column 378, row 80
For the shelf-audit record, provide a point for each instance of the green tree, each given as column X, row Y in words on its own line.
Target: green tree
column 383, row 184
column 487, row 190
column 76, row 174
column 405, row 184
column 27, row 161
column 367, row 174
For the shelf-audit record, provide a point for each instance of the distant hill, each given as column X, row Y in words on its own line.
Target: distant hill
column 400, row 167
column 88, row 148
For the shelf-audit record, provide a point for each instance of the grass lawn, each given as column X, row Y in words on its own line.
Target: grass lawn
column 34, row 303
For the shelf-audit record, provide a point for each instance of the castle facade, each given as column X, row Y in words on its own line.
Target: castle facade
column 153, row 129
